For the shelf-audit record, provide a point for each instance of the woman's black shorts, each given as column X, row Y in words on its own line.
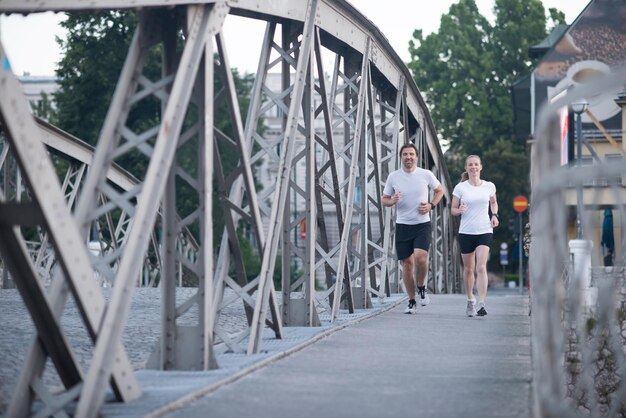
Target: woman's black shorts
column 469, row 243
column 409, row 237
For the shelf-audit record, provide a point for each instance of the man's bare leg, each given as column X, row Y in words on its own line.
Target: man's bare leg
column 407, row 276
column 421, row 259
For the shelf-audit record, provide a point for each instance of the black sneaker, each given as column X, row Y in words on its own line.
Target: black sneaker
column 424, row 298
column 481, row 311
column 412, row 308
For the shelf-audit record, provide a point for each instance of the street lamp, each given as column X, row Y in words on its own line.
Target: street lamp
column 578, row 107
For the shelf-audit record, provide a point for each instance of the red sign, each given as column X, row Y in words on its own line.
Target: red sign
column 520, row 203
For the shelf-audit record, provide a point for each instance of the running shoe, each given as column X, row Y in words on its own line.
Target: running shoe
column 481, row 309
column 412, row 308
column 471, row 308
column 424, row 298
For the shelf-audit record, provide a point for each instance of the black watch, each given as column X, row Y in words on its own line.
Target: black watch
column 496, row 215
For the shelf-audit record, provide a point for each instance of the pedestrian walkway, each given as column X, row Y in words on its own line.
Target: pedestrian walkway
column 377, row 362
column 438, row 363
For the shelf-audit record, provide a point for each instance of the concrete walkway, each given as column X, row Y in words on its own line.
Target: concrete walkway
column 377, row 362
column 438, row 363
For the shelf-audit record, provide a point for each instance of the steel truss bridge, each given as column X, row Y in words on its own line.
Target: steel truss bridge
column 99, row 226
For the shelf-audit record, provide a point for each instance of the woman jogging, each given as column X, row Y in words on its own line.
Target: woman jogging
column 472, row 199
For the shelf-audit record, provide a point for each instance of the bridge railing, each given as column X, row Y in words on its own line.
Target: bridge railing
column 578, row 312
column 337, row 139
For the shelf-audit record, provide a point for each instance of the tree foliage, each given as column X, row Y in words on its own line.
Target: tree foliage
column 93, row 54
column 449, row 67
column 465, row 71
column 44, row 108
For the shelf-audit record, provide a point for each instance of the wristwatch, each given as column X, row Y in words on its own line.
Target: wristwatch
column 496, row 215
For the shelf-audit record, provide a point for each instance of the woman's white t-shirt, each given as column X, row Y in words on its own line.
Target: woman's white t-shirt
column 414, row 188
column 475, row 220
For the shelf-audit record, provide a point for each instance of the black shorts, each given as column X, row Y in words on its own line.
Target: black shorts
column 409, row 237
column 469, row 243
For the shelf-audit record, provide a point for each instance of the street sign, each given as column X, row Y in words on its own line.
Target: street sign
column 520, row 203
column 504, row 255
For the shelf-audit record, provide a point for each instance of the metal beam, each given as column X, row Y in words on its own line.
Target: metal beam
column 93, row 393
column 356, row 141
column 282, row 186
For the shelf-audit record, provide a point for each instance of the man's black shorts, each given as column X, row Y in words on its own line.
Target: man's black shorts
column 409, row 237
column 469, row 243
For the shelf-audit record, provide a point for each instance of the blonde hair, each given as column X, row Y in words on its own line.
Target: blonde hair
column 464, row 175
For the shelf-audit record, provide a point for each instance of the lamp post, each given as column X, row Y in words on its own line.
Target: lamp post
column 578, row 107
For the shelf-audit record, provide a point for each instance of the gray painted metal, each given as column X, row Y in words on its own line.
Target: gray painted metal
column 52, row 213
column 78, row 156
column 204, row 20
column 389, row 282
column 60, row 142
column 298, row 293
column 350, row 138
column 579, row 362
column 268, row 259
column 362, row 79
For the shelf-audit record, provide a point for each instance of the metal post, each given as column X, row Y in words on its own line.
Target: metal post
column 295, row 230
column 579, row 188
column 521, row 253
column 578, row 107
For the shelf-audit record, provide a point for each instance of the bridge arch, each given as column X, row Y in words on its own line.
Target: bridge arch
column 336, row 135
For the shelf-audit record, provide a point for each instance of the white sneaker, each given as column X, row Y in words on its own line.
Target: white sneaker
column 412, row 308
column 471, row 308
column 423, row 297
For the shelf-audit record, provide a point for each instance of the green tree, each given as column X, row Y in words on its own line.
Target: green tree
column 44, row 108
column 93, row 54
column 450, row 67
column 465, row 71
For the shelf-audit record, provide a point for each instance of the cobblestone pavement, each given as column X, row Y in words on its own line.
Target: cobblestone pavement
column 16, row 333
column 140, row 336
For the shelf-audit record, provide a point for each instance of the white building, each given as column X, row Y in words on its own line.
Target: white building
column 38, row 90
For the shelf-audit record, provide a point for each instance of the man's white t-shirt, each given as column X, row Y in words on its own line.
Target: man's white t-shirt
column 475, row 220
column 414, row 188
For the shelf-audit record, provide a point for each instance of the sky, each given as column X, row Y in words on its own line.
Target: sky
column 29, row 41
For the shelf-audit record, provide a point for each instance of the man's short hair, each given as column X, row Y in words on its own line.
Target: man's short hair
column 408, row 145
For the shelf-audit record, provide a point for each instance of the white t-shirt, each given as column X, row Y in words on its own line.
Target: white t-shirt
column 414, row 188
column 475, row 220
